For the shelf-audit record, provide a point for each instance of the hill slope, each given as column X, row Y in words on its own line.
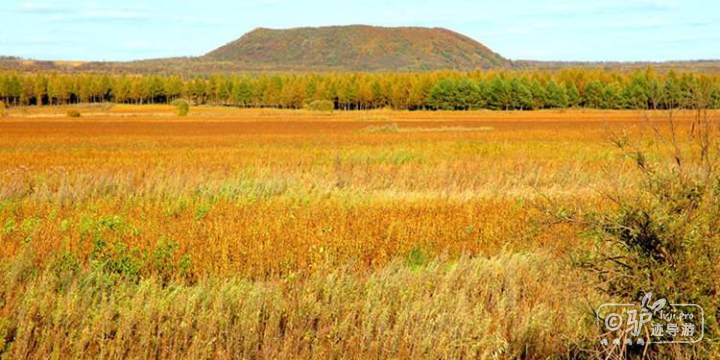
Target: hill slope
column 340, row 48
column 358, row 47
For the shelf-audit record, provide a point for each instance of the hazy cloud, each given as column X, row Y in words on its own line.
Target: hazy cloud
column 40, row 8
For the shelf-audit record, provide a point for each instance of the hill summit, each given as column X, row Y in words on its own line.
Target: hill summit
column 358, row 48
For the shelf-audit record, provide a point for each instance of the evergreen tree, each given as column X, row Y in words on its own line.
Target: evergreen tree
column 635, row 94
column 671, row 96
column 593, row 95
column 612, row 97
column 500, row 94
column 522, row 95
column 242, row 93
column 573, row 95
column 539, row 94
column 556, row 95
column 467, row 95
column 442, row 95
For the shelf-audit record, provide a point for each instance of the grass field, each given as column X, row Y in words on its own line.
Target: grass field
column 130, row 232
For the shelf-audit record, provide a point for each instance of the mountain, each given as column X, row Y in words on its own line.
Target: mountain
column 358, row 48
column 340, row 48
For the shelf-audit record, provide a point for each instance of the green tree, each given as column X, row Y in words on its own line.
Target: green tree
column 635, row 94
column 242, row 93
column 612, row 96
column 58, row 89
column 593, row 95
column 380, row 98
column 573, row 95
column 522, row 95
column 468, row 94
column 671, row 95
column 539, row 94
column 121, row 89
column 556, row 95
column 419, row 92
column 199, row 91
column 83, row 89
column 500, row 94
column 688, row 91
column 11, row 89
column 293, row 94
column 40, row 84
column 173, row 87
column 442, row 95
column 505, row 90
column 348, row 94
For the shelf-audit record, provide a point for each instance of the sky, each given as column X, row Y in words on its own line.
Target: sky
column 590, row 30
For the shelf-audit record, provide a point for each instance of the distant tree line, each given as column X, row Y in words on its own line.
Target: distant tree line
column 497, row 90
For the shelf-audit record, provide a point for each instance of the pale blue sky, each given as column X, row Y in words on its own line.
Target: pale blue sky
column 518, row 29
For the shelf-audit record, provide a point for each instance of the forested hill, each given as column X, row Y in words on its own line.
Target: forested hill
column 359, row 48
column 355, row 48
column 333, row 48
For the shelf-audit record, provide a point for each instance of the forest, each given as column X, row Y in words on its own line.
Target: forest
column 443, row 90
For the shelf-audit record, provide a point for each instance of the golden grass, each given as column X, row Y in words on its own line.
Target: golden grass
column 268, row 197
column 470, row 308
column 294, row 231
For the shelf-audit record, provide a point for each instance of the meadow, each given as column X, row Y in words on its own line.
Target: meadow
column 130, row 232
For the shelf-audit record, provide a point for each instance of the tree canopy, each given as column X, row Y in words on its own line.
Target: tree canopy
column 447, row 90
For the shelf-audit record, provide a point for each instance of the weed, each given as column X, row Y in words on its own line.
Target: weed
column 182, row 107
column 389, row 128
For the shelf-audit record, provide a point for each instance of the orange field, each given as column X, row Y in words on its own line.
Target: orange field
column 266, row 192
column 295, row 203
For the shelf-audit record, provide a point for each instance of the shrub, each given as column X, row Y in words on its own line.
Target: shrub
column 73, row 114
column 182, row 107
column 388, row 128
column 416, row 258
column 664, row 238
column 321, row 105
column 3, row 111
column 658, row 239
column 665, row 241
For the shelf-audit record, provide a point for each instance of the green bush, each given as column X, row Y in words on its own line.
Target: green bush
column 388, row 128
column 3, row 111
column 321, row 105
column 182, row 107
column 73, row 114
column 129, row 262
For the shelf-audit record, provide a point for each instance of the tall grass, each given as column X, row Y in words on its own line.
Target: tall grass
column 501, row 306
column 269, row 234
